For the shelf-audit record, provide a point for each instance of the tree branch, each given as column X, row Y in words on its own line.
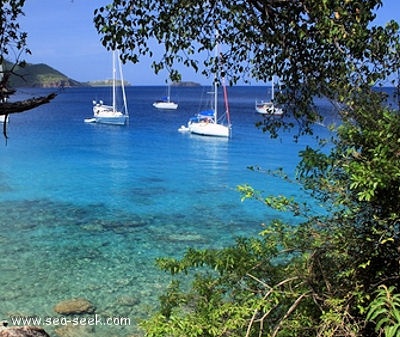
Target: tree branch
column 269, row 292
column 8, row 108
column 291, row 309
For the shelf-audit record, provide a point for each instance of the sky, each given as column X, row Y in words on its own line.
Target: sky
column 61, row 34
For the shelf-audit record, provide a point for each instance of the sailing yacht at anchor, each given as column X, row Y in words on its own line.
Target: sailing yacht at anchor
column 165, row 103
column 269, row 107
column 206, row 122
column 109, row 114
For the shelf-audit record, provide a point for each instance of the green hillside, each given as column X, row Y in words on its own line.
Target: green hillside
column 41, row 76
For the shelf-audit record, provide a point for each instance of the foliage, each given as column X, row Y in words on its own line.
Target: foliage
column 360, row 179
column 317, row 278
column 12, row 40
column 385, row 309
column 243, row 283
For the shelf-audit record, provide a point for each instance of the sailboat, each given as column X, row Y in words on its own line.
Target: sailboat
column 269, row 107
column 206, row 122
column 165, row 103
column 109, row 114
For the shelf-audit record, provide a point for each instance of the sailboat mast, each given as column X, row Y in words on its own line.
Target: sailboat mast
column 121, row 76
column 2, row 99
column 215, row 79
column 215, row 99
column 273, row 89
column 226, row 101
column 114, row 86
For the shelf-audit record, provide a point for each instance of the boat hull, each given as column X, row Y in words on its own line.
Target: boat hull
column 104, row 114
column 165, row 105
column 119, row 120
column 184, row 129
column 210, row 129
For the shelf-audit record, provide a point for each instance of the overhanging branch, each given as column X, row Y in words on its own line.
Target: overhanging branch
column 8, row 108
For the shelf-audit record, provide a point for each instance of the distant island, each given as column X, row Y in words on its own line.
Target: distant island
column 43, row 76
column 104, row 83
column 186, row 84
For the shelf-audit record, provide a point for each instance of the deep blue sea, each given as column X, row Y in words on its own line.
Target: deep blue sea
column 85, row 209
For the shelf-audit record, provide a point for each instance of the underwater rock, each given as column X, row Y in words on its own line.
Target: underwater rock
column 22, row 331
column 127, row 301
column 182, row 237
column 74, row 306
column 75, row 331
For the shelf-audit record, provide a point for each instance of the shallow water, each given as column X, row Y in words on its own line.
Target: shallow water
column 85, row 209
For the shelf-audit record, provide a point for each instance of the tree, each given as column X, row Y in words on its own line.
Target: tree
column 13, row 44
column 331, row 275
column 325, row 276
column 314, row 47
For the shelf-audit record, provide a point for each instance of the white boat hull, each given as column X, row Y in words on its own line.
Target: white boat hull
column 104, row 114
column 210, row 129
column 90, row 120
column 122, row 120
column 165, row 105
column 184, row 129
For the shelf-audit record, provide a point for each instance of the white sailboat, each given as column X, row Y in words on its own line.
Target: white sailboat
column 206, row 122
column 269, row 107
column 110, row 114
column 165, row 103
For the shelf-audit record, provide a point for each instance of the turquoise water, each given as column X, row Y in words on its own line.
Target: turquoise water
column 85, row 209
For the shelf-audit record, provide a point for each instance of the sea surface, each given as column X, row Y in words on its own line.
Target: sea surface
column 85, row 209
